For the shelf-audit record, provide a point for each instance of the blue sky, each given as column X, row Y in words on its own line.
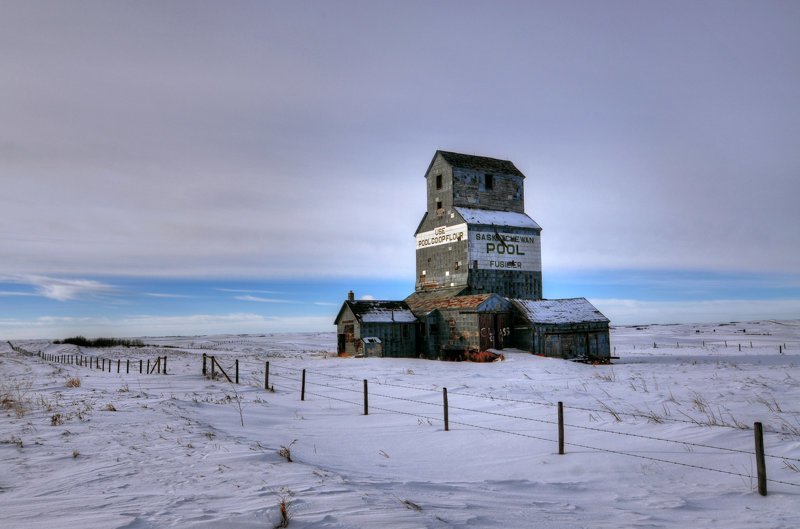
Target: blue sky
column 184, row 167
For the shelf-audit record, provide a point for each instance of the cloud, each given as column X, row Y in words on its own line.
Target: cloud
column 160, row 295
column 161, row 153
column 367, row 297
column 15, row 293
column 59, row 289
column 263, row 300
column 247, row 291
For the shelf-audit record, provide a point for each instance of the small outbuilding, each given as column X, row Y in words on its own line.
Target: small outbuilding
column 562, row 328
column 376, row 328
column 456, row 326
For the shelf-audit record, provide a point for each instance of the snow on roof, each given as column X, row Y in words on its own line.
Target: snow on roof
column 499, row 218
column 575, row 310
column 381, row 311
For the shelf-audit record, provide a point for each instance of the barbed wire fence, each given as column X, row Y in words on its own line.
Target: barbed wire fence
column 354, row 392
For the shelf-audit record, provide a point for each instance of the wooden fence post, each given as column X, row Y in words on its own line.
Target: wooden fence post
column 366, row 398
column 118, row 364
column 148, row 366
column 165, row 364
column 446, row 417
column 303, row 387
column 128, row 365
column 212, row 367
column 140, row 366
column 109, row 365
column 204, row 364
column 266, row 376
column 561, row 428
column 237, row 370
column 761, row 466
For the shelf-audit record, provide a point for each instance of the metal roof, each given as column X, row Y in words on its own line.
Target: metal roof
column 497, row 218
column 574, row 310
column 372, row 311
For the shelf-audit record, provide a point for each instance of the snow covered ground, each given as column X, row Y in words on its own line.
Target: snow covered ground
column 662, row 438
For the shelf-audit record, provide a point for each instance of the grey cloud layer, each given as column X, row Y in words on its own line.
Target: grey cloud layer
column 287, row 139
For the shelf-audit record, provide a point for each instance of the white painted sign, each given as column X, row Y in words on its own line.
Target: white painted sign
column 495, row 250
column 491, row 249
column 443, row 235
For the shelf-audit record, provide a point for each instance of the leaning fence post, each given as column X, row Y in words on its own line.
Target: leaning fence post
column 366, row 398
column 266, row 376
column 446, row 418
column 561, row 428
column 237, row 370
column 761, row 466
column 303, row 387
column 204, row 364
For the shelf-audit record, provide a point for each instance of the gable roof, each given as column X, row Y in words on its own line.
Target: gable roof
column 371, row 311
column 496, row 218
column 477, row 163
column 421, row 306
column 574, row 310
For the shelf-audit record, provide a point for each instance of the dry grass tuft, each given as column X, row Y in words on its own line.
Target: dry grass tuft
column 14, row 396
column 57, row 419
column 286, row 451
column 411, row 505
column 286, row 514
column 73, row 382
column 109, row 407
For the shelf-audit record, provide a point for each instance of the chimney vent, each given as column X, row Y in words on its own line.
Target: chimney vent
column 351, row 296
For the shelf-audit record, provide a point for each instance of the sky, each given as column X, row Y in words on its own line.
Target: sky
column 236, row 167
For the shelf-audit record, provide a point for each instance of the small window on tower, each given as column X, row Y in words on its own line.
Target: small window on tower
column 438, row 181
column 488, row 182
column 439, row 204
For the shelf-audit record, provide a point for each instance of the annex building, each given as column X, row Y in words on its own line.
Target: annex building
column 479, row 278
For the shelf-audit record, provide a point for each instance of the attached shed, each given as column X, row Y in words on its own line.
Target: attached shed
column 455, row 325
column 391, row 323
column 562, row 328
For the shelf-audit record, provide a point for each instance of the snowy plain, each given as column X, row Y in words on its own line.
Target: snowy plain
column 662, row 438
